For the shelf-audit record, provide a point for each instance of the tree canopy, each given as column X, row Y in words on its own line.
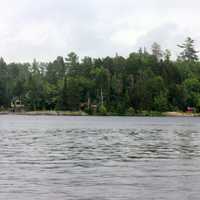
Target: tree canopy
column 142, row 81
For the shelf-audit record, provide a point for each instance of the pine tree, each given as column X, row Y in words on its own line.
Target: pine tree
column 189, row 53
column 156, row 51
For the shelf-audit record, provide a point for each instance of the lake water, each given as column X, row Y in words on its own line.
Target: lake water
column 99, row 158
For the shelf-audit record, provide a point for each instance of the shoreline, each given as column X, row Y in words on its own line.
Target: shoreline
column 81, row 113
column 181, row 114
column 46, row 113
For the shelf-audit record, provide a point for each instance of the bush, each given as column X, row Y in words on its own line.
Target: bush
column 89, row 110
column 160, row 103
column 131, row 111
column 102, row 110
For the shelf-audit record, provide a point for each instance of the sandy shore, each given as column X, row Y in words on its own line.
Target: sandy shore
column 180, row 114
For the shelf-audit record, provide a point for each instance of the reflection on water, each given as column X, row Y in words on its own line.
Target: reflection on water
column 99, row 158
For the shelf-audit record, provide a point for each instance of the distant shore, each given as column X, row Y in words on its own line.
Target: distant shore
column 181, row 114
column 47, row 113
column 81, row 113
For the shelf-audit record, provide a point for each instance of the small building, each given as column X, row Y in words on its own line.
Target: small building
column 17, row 106
column 191, row 109
column 94, row 108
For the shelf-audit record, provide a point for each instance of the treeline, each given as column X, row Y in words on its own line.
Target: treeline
column 141, row 82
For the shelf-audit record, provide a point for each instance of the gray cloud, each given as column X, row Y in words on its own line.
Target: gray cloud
column 47, row 28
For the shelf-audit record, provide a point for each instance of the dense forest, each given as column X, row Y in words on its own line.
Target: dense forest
column 144, row 81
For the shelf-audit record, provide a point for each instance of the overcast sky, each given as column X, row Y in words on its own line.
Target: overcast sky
column 44, row 29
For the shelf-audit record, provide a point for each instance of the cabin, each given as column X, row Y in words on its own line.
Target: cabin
column 17, row 106
column 191, row 109
column 94, row 108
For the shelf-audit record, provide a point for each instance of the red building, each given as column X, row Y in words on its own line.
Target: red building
column 190, row 109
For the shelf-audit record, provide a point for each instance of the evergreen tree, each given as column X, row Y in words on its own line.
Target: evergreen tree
column 188, row 51
column 156, row 51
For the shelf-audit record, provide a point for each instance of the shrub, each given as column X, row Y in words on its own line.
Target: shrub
column 102, row 110
column 131, row 111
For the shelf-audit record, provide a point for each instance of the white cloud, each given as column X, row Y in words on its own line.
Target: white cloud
column 47, row 28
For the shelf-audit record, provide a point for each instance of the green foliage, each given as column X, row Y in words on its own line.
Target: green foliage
column 102, row 110
column 130, row 111
column 192, row 88
column 145, row 83
column 189, row 53
column 161, row 103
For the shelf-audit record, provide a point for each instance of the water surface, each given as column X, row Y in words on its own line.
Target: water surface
column 91, row 158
